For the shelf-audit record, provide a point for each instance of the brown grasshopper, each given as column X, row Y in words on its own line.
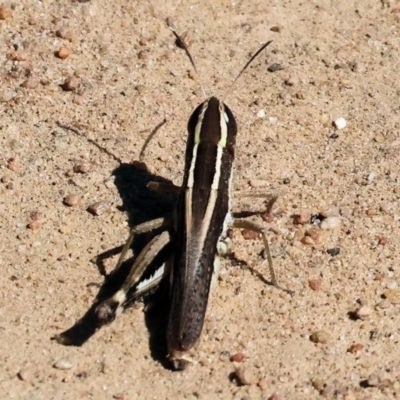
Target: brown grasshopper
column 197, row 230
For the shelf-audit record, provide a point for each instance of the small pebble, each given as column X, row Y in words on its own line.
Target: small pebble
column 320, row 337
column 362, row 302
column 249, row 234
column 6, row 95
column 72, row 200
column 276, row 28
column 69, row 35
column 330, row 391
column 256, row 183
column 71, row 83
column 109, row 183
column 33, row 277
column 83, row 167
column 318, row 384
column 140, row 88
column 379, row 138
column 83, row 374
column 354, row 348
column 64, row 52
column 276, row 396
column 19, row 56
column 382, row 240
column 273, row 120
column 143, row 55
column 334, row 251
column 330, row 223
column 274, row 67
column 364, row 312
column 393, row 295
column 80, row 100
column 104, row 50
column 330, row 212
column 340, row 123
column 5, row 12
column 163, row 143
column 303, row 217
column 316, row 219
column 36, row 215
column 307, row 240
column 269, row 217
column 383, row 304
column 283, row 378
column 238, row 357
column 63, row 33
column 34, row 225
column 313, row 236
column 291, row 81
column 391, row 285
column 27, row 375
column 99, row 208
column 298, row 235
column 262, row 384
column 374, row 379
column 261, row 113
column 325, row 119
column 119, row 396
column 315, row 284
column 30, row 83
column 244, row 376
column 62, row 363
column 13, row 164
column 371, row 211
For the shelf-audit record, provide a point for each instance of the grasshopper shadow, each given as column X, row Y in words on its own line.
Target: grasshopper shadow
column 141, row 204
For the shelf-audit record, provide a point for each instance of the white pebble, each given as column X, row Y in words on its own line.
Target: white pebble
column 6, row 95
column 330, row 223
column 273, row 119
column 392, row 285
column 330, row 212
column 364, row 312
column 261, row 113
column 385, row 303
column 256, row 183
column 63, row 363
column 340, row 123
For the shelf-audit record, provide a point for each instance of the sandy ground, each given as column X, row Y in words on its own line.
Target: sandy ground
column 338, row 336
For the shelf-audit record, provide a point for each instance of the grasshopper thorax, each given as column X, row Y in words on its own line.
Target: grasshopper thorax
column 211, row 134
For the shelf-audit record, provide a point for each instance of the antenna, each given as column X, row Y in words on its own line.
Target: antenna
column 182, row 44
column 245, row 67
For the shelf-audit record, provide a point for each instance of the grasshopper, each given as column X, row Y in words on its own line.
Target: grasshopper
column 197, row 230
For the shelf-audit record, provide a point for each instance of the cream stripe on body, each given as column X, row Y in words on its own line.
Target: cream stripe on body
column 196, row 234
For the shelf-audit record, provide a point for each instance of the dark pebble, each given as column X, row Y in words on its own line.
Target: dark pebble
column 275, row 67
column 334, row 252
